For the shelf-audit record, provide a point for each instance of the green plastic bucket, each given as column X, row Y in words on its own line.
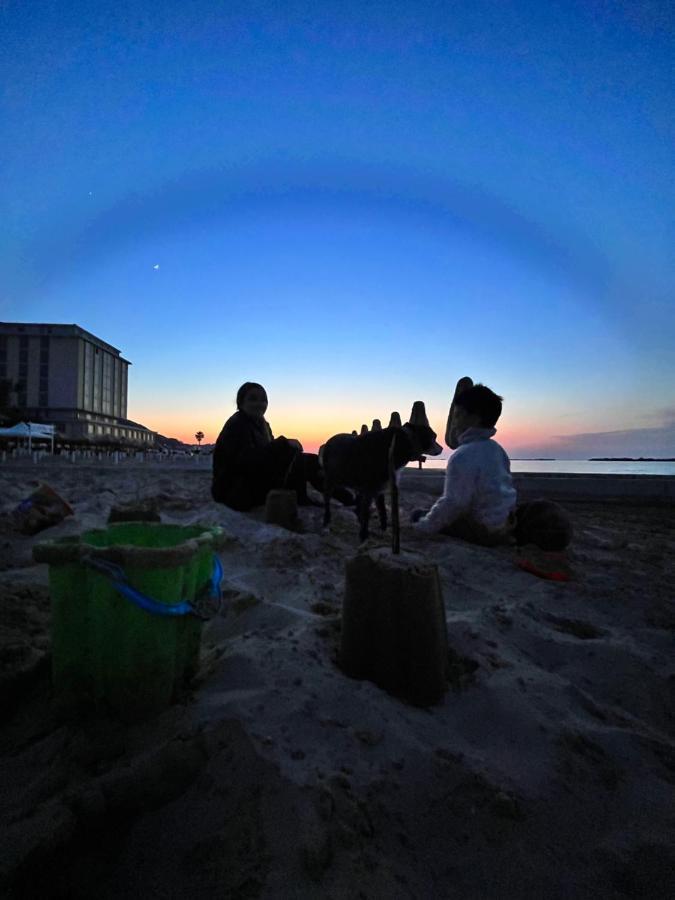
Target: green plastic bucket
column 108, row 653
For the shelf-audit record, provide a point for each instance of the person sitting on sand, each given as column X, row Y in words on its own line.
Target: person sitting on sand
column 479, row 500
column 248, row 461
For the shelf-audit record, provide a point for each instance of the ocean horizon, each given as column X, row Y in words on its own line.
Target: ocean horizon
column 576, row 466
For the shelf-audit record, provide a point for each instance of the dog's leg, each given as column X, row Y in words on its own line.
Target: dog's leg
column 327, row 492
column 382, row 511
column 363, row 511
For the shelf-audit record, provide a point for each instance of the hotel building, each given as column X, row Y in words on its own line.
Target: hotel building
column 65, row 376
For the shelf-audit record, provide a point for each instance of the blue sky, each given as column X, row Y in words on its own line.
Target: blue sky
column 355, row 204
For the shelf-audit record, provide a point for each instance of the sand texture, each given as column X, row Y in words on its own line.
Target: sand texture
column 546, row 771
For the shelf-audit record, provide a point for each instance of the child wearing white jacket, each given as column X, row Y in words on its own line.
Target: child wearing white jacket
column 479, row 500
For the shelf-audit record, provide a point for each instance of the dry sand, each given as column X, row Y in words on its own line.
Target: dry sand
column 547, row 771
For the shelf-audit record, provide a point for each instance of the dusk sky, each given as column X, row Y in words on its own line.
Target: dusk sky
column 354, row 204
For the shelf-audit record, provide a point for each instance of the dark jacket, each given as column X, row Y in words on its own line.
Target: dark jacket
column 241, row 450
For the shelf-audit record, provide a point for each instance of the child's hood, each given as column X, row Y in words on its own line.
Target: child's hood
column 476, row 434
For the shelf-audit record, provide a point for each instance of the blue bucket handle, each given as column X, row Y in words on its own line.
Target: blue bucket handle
column 119, row 581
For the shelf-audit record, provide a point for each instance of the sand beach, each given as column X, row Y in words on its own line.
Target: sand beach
column 548, row 770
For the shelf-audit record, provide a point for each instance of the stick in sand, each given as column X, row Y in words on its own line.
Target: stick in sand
column 451, row 438
column 393, row 485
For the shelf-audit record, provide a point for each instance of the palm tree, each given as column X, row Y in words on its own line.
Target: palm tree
column 199, row 437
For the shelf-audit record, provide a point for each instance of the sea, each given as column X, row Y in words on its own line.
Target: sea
column 575, row 466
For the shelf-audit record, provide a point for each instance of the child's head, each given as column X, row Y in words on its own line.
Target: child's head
column 480, row 406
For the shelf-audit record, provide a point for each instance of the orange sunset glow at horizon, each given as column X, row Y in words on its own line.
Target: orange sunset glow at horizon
column 313, row 433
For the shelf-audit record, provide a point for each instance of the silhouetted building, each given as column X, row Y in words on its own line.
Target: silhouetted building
column 67, row 376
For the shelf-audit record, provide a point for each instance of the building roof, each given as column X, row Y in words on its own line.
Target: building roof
column 58, row 329
column 127, row 423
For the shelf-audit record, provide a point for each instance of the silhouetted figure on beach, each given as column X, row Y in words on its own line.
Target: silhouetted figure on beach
column 479, row 500
column 248, row 461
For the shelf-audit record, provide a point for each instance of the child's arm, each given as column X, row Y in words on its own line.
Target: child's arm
column 451, row 439
column 458, row 493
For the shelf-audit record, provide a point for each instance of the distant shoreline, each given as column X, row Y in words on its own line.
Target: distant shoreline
column 638, row 489
column 659, row 459
column 632, row 459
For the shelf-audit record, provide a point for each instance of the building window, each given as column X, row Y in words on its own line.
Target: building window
column 106, row 384
column 98, row 382
column 21, row 395
column 88, row 399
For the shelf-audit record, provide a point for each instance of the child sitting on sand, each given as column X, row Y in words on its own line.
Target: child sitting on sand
column 479, row 499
